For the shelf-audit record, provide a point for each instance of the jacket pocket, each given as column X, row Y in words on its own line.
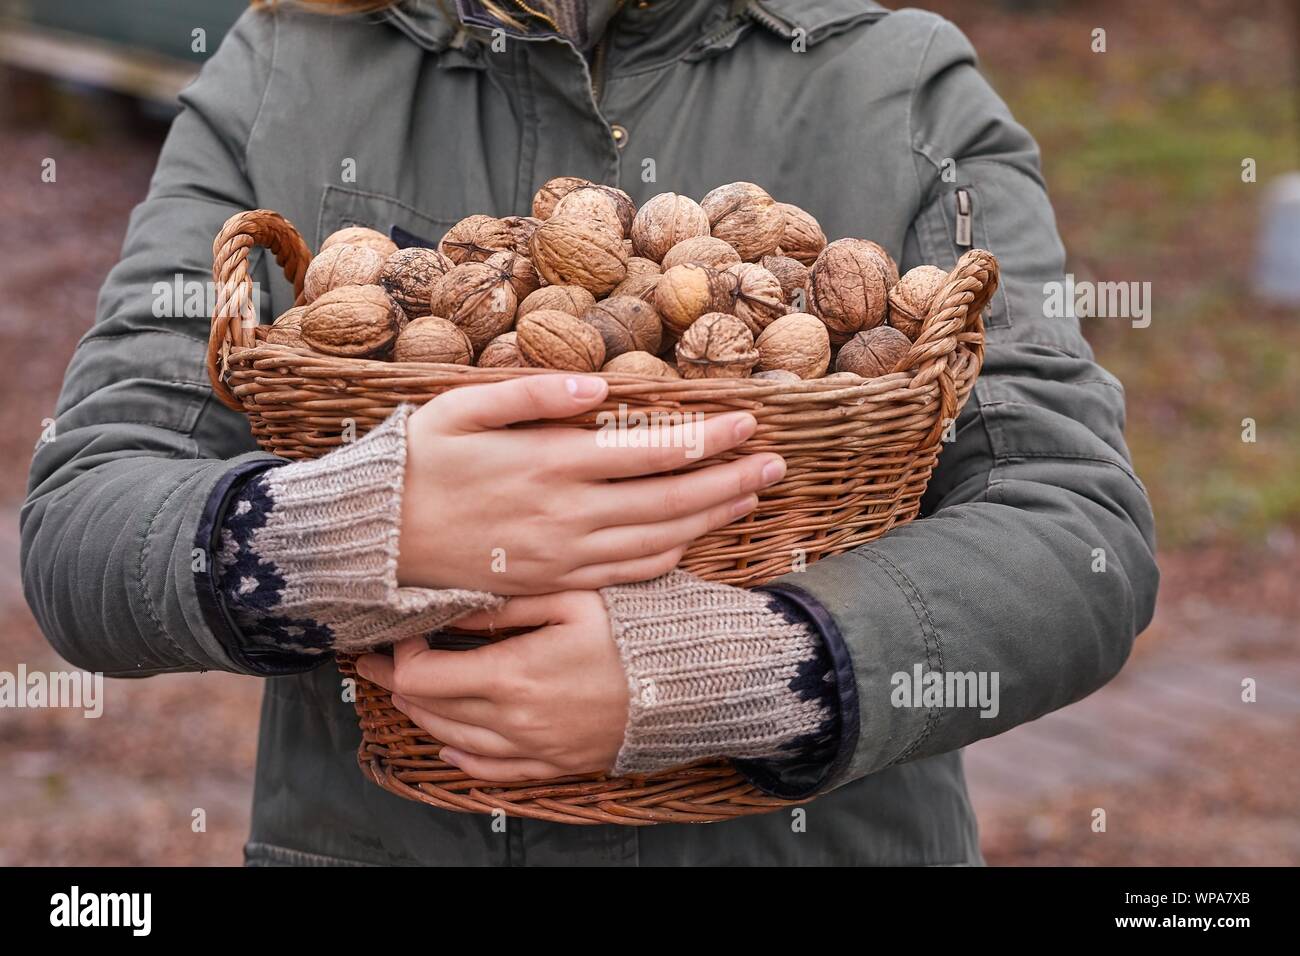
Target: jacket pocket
column 341, row 206
column 955, row 223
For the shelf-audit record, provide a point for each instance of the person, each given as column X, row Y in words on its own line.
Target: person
column 415, row 114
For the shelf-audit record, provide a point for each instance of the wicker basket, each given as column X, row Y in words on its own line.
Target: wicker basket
column 859, row 458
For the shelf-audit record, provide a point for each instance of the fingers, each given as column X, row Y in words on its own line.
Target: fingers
column 502, row 770
column 662, row 498
column 616, row 452
column 415, row 670
column 537, row 610
column 630, row 542
column 479, row 740
column 594, row 577
column 529, row 398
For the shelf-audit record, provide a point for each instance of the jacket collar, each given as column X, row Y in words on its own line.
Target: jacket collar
column 713, row 27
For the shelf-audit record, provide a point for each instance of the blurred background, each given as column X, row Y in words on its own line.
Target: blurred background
column 1148, row 149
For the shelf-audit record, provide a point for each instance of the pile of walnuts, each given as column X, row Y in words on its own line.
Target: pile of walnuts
column 736, row 285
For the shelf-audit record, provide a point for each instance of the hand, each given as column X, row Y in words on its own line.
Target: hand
column 546, row 703
column 538, row 510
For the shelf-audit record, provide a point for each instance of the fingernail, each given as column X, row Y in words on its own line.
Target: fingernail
column 746, row 427
column 584, row 387
column 447, row 755
column 773, row 471
column 363, row 668
column 743, row 506
column 399, row 702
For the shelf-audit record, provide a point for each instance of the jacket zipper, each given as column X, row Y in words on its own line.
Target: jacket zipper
column 766, row 20
column 963, row 237
column 598, row 71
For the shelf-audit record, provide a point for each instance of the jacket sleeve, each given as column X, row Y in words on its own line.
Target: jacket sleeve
column 138, row 444
column 1033, row 561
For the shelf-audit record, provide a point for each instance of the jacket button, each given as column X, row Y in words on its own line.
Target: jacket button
column 620, row 135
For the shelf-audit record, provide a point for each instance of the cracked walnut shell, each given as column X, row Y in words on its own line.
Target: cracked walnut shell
column 354, row 321
column 549, row 338
column 717, row 346
column 341, row 265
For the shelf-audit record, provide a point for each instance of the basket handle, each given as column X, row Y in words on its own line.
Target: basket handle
column 235, row 316
column 956, row 318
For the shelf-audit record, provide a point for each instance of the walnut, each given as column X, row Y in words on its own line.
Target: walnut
column 433, row 339
column 354, row 321
column 518, row 271
column 287, row 329
column 873, row 352
column 848, row 287
column 759, row 299
column 637, row 266
column 684, row 293
column 597, row 203
column 641, row 363
column 341, row 265
column 912, row 299
column 552, row 191
column 716, row 346
column 626, row 324
column 409, row 276
column 502, row 352
column 798, row 343
column 475, row 238
column 361, row 236
column 521, row 229
column 573, row 299
column 704, row 251
column 746, row 217
column 577, row 253
column 792, row 274
column 802, row 238
column 549, row 338
column 642, row 287
column 664, row 221
column 590, row 205
column 777, row 375
column 477, row 298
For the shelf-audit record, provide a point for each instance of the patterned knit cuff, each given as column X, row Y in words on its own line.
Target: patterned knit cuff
column 715, row 671
column 309, row 556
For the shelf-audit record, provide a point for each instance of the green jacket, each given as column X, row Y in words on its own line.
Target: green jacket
column 855, row 116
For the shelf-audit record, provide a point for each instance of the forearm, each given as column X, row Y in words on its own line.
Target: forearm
column 306, row 558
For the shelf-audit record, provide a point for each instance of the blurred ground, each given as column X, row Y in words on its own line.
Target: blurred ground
column 1142, row 149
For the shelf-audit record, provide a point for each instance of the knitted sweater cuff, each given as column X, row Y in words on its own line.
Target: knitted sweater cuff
column 316, row 544
column 715, row 671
